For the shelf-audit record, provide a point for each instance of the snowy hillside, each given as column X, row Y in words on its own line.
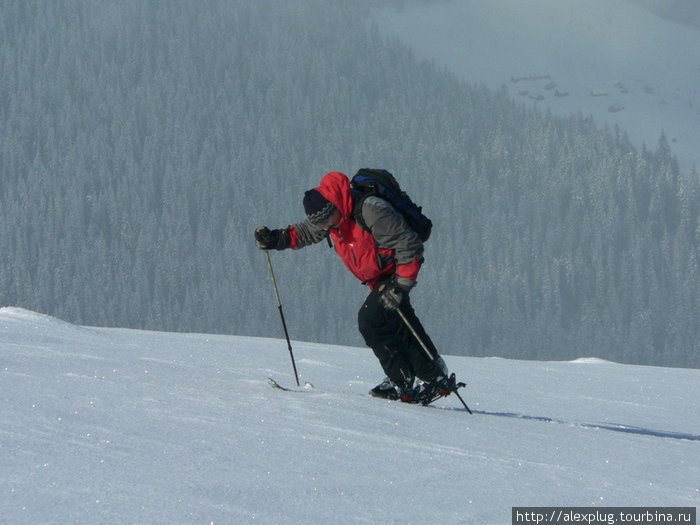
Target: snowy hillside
column 123, row 426
column 615, row 61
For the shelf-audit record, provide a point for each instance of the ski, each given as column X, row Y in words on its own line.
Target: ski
column 275, row 384
column 309, row 387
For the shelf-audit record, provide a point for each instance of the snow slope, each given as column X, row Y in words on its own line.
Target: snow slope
column 614, row 60
column 123, row 426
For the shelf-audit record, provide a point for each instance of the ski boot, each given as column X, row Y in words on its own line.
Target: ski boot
column 389, row 389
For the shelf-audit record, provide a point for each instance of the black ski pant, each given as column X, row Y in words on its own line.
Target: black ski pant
column 402, row 357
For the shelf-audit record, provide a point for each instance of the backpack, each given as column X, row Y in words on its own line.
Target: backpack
column 381, row 183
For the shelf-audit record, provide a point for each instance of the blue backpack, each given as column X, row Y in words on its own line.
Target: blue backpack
column 381, row 183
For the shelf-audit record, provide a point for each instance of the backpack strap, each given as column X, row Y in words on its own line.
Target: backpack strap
column 358, row 198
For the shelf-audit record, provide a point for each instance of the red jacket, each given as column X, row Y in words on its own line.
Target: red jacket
column 364, row 254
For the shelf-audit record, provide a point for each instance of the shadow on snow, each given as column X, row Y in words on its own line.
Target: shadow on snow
column 613, row 427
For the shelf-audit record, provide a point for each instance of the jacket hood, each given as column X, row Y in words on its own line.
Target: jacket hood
column 335, row 187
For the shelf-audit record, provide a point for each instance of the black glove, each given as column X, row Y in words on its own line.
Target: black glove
column 267, row 239
column 391, row 294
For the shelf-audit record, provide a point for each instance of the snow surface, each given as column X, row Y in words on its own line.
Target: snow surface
column 105, row 425
column 616, row 50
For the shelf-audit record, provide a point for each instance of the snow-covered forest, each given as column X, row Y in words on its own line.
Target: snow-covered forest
column 142, row 142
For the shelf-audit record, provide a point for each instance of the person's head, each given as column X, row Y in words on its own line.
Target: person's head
column 320, row 210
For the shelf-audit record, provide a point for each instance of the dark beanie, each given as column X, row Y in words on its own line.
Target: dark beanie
column 318, row 209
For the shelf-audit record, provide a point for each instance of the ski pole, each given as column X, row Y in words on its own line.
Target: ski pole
column 415, row 334
column 427, row 351
column 279, row 307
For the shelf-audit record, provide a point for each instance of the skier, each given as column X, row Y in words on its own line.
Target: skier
column 386, row 258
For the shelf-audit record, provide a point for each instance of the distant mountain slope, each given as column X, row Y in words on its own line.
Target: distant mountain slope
column 679, row 11
column 613, row 60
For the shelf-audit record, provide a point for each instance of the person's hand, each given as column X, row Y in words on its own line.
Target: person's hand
column 267, row 239
column 392, row 293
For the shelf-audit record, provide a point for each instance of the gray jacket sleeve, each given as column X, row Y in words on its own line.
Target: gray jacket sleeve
column 309, row 233
column 391, row 231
